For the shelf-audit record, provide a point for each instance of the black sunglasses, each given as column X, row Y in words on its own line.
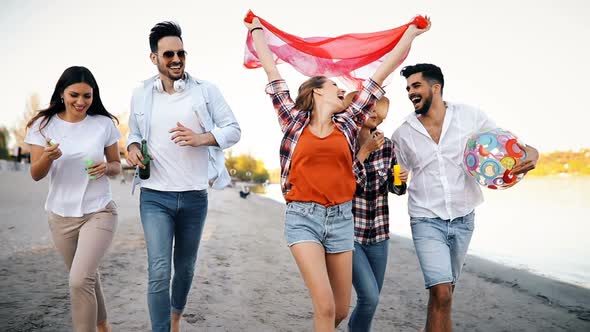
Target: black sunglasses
column 170, row 54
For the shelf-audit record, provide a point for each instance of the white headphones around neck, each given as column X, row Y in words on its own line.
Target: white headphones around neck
column 179, row 85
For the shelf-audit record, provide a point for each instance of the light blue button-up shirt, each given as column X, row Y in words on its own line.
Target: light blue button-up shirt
column 212, row 111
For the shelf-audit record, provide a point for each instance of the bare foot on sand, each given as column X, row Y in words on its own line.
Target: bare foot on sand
column 175, row 322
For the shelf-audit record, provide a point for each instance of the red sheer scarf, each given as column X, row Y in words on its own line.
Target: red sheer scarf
column 351, row 57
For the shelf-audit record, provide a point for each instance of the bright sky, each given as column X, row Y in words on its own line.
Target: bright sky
column 523, row 62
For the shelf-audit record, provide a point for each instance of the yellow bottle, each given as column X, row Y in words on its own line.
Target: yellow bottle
column 396, row 180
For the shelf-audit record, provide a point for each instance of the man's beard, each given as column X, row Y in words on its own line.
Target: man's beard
column 164, row 70
column 426, row 107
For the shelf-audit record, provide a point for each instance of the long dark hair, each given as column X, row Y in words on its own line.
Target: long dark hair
column 72, row 75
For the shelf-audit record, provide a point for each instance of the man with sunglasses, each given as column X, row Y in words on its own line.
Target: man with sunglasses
column 186, row 124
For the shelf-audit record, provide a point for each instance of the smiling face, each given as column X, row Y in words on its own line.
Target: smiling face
column 170, row 58
column 378, row 113
column 420, row 93
column 372, row 120
column 77, row 98
column 332, row 95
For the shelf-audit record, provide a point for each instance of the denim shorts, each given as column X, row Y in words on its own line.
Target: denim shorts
column 441, row 246
column 332, row 227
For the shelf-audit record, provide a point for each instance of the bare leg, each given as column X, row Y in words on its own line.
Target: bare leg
column 311, row 260
column 175, row 322
column 340, row 273
column 439, row 308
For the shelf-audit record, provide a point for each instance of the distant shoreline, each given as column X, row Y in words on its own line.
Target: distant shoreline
column 554, row 291
column 558, row 176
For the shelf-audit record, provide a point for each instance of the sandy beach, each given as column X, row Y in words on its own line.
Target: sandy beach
column 246, row 279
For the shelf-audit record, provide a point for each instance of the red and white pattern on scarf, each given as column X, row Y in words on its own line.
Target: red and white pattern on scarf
column 351, row 57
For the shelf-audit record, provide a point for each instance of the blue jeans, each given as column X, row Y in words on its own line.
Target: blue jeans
column 368, row 271
column 171, row 217
column 441, row 246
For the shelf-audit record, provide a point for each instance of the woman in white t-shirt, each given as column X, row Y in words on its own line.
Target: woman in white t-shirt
column 74, row 140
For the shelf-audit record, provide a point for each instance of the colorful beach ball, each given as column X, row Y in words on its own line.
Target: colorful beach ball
column 490, row 155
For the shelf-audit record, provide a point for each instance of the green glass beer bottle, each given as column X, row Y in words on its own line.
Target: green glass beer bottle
column 144, row 173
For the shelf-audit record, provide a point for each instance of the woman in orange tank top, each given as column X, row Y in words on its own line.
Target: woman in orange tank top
column 317, row 177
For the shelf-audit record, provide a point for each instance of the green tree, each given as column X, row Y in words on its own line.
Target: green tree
column 246, row 167
column 4, row 143
column 563, row 162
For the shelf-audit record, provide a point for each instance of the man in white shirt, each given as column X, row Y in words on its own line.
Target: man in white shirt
column 441, row 195
column 186, row 124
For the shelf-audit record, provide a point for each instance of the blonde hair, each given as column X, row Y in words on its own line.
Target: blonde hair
column 304, row 100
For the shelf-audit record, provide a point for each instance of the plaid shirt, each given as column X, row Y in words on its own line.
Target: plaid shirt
column 374, row 182
column 293, row 121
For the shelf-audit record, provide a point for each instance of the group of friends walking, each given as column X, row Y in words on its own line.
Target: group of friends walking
column 337, row 170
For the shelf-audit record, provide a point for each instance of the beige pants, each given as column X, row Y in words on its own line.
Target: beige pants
column 83, row 241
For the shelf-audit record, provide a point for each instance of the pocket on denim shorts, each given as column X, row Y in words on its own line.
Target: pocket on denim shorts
column 299, row 227
column 347, row 214
column 297, row 208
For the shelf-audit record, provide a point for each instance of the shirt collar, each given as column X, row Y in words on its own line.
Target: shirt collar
column 412, row 119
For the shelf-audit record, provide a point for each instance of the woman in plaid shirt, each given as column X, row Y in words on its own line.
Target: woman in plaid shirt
column 317, row 156
column 370, row 208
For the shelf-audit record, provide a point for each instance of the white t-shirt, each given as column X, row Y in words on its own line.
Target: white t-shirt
column 440, row 187
column 175, row 167
column 71, row 192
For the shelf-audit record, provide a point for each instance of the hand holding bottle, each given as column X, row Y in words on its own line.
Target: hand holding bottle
column 51, row 151
column 400, row 175
column 95, row 170
column 144, row 172
column 134, row 156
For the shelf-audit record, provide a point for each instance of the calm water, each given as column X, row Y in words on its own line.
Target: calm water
column 541, row 225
